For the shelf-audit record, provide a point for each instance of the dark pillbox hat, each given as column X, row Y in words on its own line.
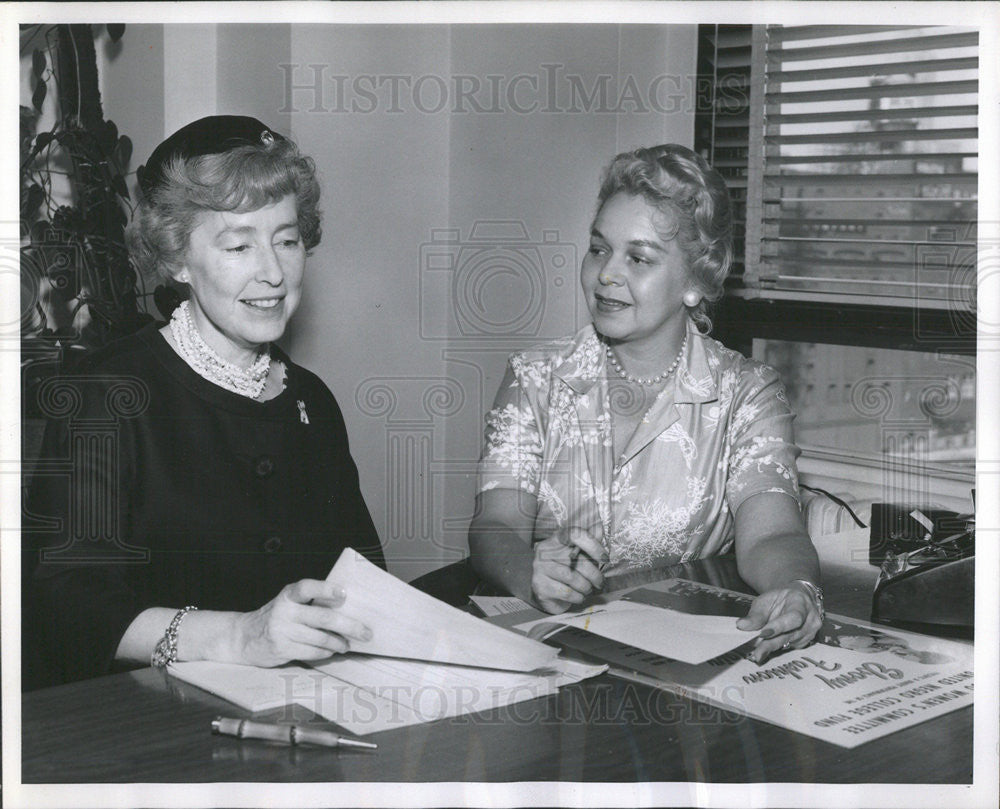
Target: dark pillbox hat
column 212, row 135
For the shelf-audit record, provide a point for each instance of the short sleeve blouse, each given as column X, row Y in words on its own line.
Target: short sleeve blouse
column 719, row 433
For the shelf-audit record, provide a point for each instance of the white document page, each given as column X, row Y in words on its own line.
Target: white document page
column 249, row 687
column 257, row 689
column 690, row 638
column 410, row 624
column 434, row 690
column 499, row 605
column 426, row 692
column 366, row 694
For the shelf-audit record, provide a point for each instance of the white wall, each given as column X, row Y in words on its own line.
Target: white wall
column 133, row 88
column 413, row 355
column 539, row 172
column 379, row 322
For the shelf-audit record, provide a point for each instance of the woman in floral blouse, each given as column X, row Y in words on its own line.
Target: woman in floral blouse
column 640, row 441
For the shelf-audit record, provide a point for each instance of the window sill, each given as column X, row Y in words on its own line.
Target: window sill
column 881, row 480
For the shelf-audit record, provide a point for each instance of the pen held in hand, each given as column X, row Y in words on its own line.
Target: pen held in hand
column 574, row 555
column 286, row 734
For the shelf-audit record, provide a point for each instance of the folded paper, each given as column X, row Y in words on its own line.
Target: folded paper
column 410, row 624
column 668, row 633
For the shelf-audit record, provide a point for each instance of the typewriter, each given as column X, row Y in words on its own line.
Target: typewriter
column 927, row 558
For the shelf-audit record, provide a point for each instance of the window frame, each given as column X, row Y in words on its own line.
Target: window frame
column 745, row 314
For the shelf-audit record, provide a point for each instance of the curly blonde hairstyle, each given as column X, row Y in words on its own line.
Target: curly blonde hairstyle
column 693, row 198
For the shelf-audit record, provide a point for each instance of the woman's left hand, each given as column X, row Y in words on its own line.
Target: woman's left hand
column 787, row 617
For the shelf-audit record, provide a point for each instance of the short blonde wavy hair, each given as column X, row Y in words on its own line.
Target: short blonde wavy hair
column 693, row 197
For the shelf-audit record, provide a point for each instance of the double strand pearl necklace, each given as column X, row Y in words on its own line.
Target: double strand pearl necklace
column 640, row 380
column 247, row 382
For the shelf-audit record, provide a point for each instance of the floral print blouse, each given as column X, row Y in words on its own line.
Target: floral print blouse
column 718, row 433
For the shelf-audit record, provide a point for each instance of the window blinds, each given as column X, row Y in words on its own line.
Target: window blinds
column 723, row 117
column 864, row 162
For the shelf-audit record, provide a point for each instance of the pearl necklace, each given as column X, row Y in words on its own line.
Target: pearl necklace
column 639, row 380
column 247, row 382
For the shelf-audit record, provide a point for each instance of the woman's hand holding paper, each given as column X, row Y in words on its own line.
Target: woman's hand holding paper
column 301, row 623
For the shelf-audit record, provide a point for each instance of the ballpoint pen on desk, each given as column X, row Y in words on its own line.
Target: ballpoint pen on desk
column 286, row 734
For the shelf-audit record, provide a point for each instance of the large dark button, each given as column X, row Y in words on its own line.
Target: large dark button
column 272, row 544
column 263, row 466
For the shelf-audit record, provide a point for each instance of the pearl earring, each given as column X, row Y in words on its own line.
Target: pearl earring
column 691, row 299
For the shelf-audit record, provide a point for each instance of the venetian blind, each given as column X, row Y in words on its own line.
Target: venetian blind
column 723, row 116
column 866, row 163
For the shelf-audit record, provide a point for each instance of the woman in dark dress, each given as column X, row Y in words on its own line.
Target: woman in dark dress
column 196, row 486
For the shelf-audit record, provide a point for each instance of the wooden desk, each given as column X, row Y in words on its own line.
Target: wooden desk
column 145, row 727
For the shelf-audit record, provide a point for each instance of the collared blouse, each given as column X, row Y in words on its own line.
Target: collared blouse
column 718, row 433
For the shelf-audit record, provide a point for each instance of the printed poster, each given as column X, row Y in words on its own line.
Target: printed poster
column 857, row 683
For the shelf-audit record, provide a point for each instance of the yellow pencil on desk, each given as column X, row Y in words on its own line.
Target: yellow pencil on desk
column 286, row 734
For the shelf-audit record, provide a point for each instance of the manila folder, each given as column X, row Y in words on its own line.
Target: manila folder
column 408, row 623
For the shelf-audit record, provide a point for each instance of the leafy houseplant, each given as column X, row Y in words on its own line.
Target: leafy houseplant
column 79, row 290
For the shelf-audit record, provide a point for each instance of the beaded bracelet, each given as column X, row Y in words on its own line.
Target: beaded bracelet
column 165, row 651
column 816, row 593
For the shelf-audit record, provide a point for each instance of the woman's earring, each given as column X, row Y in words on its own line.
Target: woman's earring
column 691, row 299
column 183, row 278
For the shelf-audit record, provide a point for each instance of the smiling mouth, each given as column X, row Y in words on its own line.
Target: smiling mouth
column 610, row 303
column 262, row 303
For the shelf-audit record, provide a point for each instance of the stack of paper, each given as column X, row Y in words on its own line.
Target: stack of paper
column 426, row 661
column 412, row 691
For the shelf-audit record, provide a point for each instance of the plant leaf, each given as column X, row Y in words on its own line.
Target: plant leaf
column 115, row 31
column 38, row 62
column 40, row 233
column 43, row 140
column 118, row 183
column 38, row 97
column 34, row 198
column 107, row 137
column 123, row 152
